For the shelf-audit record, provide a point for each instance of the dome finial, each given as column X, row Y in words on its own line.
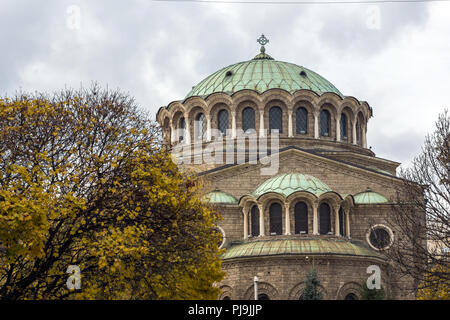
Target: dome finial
column 262, row 55
column 262, row 41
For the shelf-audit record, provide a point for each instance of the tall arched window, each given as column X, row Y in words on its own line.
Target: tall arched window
column 254, row 217
column 200, row 126
column 343, row 125
column 276, row 119
column 222, row 121
column 263, row 296
column 341, row 222
column 325, row 122
column 181, row 126
column 301, row 217
column 248, row 119
column 275, row 217
column 325, row 219
column 301, row 120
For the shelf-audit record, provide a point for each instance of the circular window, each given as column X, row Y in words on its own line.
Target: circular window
column 380, row 237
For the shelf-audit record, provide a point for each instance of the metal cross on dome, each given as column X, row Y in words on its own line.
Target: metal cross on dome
column 262, row 40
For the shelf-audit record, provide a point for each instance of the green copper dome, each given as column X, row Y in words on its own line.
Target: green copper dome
column 369, row 197
column 287, row 184
column 299, row 246
column 261, row 74
column 219, row 197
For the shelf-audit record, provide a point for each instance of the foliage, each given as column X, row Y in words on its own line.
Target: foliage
column 440, row 290
column 312, row 290
column 84, row 181
column 370, row 294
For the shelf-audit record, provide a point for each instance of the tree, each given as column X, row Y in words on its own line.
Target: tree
column 312, row 290
column 422, row 212
column 370, row 294
column 441, row 291
column 84, row 181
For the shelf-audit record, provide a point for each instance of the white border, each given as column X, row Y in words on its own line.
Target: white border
column 391, row 235
column 224, row 238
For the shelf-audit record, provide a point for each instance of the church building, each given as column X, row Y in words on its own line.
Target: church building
column 289, row 170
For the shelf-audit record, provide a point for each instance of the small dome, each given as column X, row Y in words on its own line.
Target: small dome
column 369, row 197
column 299, row 246
column 261, row 74
column 287, row 184
column 219, row 197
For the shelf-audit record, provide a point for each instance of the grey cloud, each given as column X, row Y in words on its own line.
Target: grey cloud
column 400, row 147
column 158, row 51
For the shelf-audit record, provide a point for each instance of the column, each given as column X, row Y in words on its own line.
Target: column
column 316, row 125
column 245, row 212
column 364, row 137
column 290, row 123
column 187, row 130
column 172, row 133
column 208, row 127
column 336, row 221
column 261, row 123
column 347, row 220
column 262, row 232
column 287, row 219
column 338, row 128
column 315, row 221
column 233, row 124
column 354, row 131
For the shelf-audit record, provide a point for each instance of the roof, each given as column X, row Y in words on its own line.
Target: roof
column 308, row 151
column 369, row 197
column 288, row 183
column 219, row 197
column 261, row 74
column 299, row 246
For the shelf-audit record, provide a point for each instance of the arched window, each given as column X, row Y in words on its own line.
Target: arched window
column 254, row 213
column 276, row 119
column 275, row 217
column 341, row 222
column 325, row 121
column 351, row 296
column 263, row 296
column 226, row 298
column 181, row 126
column 301, row 120
column 325, row 221
column 343, row 125
column 200, row 126
column 222, row 121
column 248, row 119
column 301, row 217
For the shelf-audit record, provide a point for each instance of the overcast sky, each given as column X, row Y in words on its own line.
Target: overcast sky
column 394, row 56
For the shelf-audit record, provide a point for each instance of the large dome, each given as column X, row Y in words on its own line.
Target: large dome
column 261, row 74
